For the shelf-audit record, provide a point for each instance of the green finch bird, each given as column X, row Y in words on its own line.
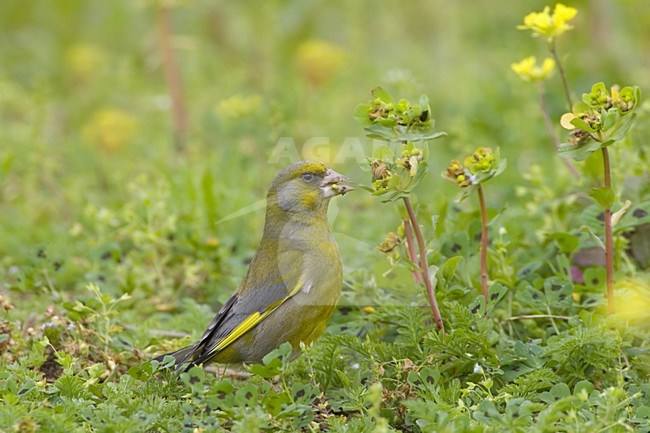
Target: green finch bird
column 293, row 282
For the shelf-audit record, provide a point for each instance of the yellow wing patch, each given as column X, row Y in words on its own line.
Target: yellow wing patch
column 251, row 321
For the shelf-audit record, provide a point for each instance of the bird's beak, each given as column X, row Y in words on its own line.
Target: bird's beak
column 335, row 184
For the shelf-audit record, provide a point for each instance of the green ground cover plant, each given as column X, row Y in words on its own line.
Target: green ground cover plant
column 134, row 163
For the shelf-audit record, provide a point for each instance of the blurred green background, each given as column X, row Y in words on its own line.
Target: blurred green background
column 91, row 182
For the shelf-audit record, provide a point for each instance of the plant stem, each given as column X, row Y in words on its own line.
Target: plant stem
column 551, row 131
column 172, row 76
column 560, row 68
column 424, row 267
column 538, row 316
column 550, row 316
column 410, row 250
column 609, row 239
column 484, row 244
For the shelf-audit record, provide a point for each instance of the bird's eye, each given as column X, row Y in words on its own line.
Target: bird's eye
column 307, row 177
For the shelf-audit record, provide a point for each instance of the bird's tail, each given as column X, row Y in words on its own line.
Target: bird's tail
column 181, row 357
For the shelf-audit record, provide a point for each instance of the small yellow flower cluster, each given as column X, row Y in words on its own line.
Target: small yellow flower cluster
column 381, row 175
column 401, row 113
column 549, row 26
column 600, row 111
column 399, row 172
column 528, row 70
column 410, row 160
column 483, row 160
column 390, row 243
column 624, row 100
column 456, row 173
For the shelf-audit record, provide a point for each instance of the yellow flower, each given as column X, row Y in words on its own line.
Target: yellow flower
column 482, row 160
column 85, row 60
column 547, row 25
column 318, row 61
column 633, row 300
column 212, row 242
column 528, row 70
column 110, row 129
column 456, row 174
column 238, row 106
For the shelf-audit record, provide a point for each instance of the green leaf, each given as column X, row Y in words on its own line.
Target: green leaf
column 616, row 216
column 579, row 153
column 597, row 96
column 267, row 371
column 581, row 124
column 361, row 114
column 558, row 291
column 610, row 118
column 487, row 413
column 635, row 216
column 379, row 92
column 558, row 392
column 466, row 192
column 383, row 152
column 209, row 198
column 579, row 107
column 619, row 130
column 380, row 132
column 448, row 269
column 345, row 380
column 496, row 292
column 593, row 236
column 604, row 196
column 583, row 386
column 565, row 241
column 529, row 269
column 503, row 164
column 194, row 378
column 415, row 135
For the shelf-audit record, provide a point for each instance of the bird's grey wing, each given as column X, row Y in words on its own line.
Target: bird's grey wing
column 233, row 318
column 265, row 290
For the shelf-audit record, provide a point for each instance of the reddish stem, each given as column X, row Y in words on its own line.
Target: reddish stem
column 410, row 250
column 424, row 266
column 560, row 69
column 609, row 239
column 484, row 244
column 172, row 76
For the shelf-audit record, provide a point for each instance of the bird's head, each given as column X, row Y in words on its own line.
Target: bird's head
column 306, row 187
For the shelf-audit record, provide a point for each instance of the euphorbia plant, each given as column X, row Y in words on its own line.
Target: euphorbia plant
column 398, row 167
column 550, row 27
column 470, row 176
column 599, row 120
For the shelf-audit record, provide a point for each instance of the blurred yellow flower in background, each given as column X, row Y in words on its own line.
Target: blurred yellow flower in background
column 318, row 61
column 633, row 299
column 547, row 25
column 84, row 60
column 238, row 106
column 528, row 70
column 109, row 129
